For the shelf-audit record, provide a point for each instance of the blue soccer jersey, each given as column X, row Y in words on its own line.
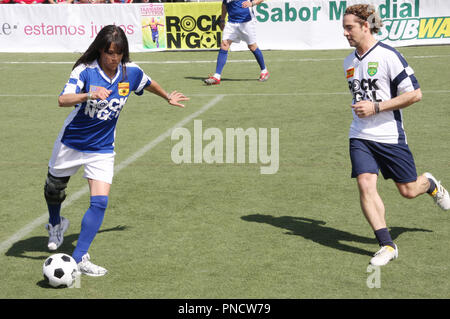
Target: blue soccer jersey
column 91, row 126
column 236, row 13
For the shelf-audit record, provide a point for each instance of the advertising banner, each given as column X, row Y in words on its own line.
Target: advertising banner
column 153, row 26
column 193, row 25
column 63, row 27
column 301, row 25
column 281, row 25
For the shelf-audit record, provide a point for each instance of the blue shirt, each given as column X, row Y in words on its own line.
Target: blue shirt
column 236, row 13
column 91, row 126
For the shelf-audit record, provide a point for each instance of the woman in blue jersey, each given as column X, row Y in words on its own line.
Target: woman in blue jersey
column 240, row 26
column 99, row 85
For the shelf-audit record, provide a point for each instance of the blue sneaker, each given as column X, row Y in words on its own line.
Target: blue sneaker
column 56, row 233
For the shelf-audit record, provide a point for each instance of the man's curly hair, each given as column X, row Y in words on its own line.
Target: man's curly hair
column 366, row 12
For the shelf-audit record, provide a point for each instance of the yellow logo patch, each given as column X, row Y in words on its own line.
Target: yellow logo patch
column 124, row 88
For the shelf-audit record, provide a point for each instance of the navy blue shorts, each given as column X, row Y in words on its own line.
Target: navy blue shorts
column 395, row 161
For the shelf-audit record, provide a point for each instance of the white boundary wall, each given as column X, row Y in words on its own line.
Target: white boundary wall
column 282, row 25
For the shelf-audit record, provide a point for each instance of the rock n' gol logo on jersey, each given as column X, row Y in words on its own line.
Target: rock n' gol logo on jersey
column 104, row 110
column 372, row 68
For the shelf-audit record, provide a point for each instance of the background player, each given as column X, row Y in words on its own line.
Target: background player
column 154, row 24
column 241, row 25
column 100, row 83
column 382, row 83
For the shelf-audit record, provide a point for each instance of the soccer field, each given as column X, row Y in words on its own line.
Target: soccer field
column 224, row 230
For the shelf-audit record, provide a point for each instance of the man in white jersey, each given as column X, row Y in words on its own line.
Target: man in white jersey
column 100, row 83
column 241, row 26
column 382, row 84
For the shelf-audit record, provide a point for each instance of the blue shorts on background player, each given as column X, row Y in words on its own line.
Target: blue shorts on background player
column 99, row 85
column 241, row 26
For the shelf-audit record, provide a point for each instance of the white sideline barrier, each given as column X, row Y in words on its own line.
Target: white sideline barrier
column 281, row 25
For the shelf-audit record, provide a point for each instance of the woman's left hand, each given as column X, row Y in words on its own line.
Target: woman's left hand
column 175, row 97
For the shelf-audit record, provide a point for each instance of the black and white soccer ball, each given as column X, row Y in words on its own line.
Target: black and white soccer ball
column 208, row 40
column 60, row 270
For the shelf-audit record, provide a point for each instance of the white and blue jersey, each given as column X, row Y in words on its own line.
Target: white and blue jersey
column 379, row 75
column 236, row 13
column 91, row 126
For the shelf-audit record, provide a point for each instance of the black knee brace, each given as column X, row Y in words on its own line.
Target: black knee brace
column 54, row 189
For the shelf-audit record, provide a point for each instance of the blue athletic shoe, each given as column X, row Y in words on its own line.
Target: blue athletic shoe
column 56, row 233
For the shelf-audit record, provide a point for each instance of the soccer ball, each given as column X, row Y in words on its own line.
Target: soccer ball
column 60, row 270
column 208, row 40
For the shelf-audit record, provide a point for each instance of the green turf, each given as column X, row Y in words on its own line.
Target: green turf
column 225, row 230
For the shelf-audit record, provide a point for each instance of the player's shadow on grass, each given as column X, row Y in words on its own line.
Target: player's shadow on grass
column 316, row 231
column 39, row 244
column 197, row 78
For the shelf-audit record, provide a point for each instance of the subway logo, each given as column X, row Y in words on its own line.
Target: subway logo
column 415, row 28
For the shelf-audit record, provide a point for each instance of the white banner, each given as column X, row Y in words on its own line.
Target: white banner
column 64, row 27
column 317, row 24
column 282, row 25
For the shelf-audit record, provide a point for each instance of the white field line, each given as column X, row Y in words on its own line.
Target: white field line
column 228, row 61
column 24, row 231
column 237, row 94
column 204, row 94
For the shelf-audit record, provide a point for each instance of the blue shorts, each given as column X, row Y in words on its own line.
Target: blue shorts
column 155, row 36
column 395, row 161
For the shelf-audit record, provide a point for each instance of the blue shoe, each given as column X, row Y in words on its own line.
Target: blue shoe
column 56, row 233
